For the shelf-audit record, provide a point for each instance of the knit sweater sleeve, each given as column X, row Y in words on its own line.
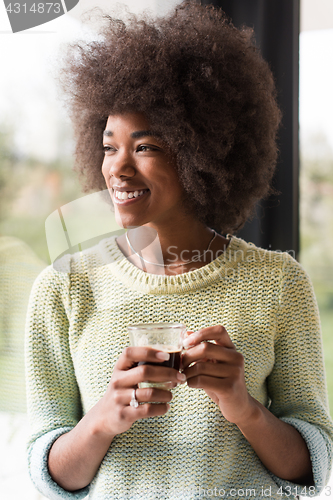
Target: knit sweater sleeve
column 53, row 397
column 297, row 386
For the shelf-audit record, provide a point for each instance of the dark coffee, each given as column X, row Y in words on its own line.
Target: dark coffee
column 172, row 362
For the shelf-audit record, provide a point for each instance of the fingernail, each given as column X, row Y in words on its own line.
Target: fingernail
column 164, row 356
column 181, row 377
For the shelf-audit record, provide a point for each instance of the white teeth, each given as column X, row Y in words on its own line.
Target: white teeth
column 124, row 195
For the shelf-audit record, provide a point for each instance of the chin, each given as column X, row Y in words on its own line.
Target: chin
column 126, row 222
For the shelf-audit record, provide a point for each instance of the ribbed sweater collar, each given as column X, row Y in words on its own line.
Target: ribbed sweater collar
column 136, row 279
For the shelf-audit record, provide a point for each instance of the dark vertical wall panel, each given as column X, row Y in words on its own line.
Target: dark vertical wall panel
column 276, row 26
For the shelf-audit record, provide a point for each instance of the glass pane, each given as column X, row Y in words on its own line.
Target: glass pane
column 316, row 177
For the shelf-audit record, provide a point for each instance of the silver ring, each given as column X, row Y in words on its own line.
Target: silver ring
column 134, row 402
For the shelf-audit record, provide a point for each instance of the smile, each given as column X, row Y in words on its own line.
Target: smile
column 120, row 197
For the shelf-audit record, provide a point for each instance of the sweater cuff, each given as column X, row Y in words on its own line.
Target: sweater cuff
column 39, row 472
column 320, row 456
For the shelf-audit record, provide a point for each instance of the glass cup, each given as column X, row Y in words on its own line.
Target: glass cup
column 166, row 337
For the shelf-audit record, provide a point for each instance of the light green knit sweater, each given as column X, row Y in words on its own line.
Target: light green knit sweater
column 77, row 328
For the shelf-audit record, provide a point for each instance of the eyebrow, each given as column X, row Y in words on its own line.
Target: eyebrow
column 135, row 135
column 141, row 133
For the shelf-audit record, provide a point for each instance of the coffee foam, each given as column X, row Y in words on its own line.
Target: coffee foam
column 165, row 348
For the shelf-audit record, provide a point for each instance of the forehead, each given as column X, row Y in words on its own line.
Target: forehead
column 130, row 122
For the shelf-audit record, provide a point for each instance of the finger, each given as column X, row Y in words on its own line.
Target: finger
column 150, row 395
column 147, row 395
column 133, row 355
column 145, row 410
column 216, row 333
column 153, row 395
column 218, row 370
column 210, row 351
column 148, row 373
column 216, row 385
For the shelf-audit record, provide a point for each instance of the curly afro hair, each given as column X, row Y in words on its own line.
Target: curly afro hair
column 204, row 88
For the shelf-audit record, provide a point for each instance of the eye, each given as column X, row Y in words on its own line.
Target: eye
column 108, row 149
column 145, row 147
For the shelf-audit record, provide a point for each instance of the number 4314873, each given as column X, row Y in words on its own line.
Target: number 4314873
column 35, row 8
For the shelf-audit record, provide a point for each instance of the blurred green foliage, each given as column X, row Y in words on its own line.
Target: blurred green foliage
column 316, row 214
column 30, row 191
column 8, row 166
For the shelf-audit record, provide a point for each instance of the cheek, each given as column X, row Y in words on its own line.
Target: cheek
column 174, row 187
column 105, row 172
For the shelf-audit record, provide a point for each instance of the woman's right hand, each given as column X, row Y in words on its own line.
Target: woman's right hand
column 74, row 457
column 116, row 414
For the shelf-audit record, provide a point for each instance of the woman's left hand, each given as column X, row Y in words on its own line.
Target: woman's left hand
column 218, row 369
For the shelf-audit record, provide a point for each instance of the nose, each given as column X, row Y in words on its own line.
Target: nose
column 121, row 164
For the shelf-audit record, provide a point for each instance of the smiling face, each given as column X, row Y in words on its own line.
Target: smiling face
column 140, row 173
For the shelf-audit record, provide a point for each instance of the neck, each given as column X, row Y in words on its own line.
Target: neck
column 179, row 242
column 170, row 250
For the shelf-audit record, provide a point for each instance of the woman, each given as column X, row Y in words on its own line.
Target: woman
column 186, row 109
